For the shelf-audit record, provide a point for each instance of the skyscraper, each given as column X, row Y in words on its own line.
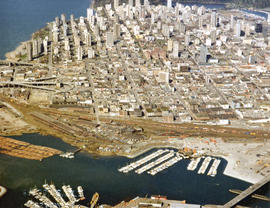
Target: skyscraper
column 146, row 3
column 175, row 49
column 79, row 53
column 203, row 55
column 29, row 51
column 170, row 45
column 232, row 22
column 238, row 28
column 116, row 31
column 115, row 4
column 213, row 19
column 109, row 39
column 268, row 20
column 130, row 3
column 169, row 3
column 187, row 39
column 138, row 3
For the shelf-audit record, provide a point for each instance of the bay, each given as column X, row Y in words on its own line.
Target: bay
column 100, row 174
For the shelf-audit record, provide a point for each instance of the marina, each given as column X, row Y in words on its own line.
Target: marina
column 155, row 166
column 31, row 204
column 165, row 165
column 193, row 164
column 142, row 161
column 51, row 189
column 156, row 162
column 213, row 170
column 204, row 165
column 39, row 196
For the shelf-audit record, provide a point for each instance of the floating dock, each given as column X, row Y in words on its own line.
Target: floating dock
column 32, row 204
column 156, row 162
column 142, row 161
column 193, row 164
column 213, row 170
column 60, row 202
column 45, row 200
column 165, row 165
column 204, row 165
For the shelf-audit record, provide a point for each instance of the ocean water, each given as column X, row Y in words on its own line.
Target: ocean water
column 99, row 174
column 20, row 18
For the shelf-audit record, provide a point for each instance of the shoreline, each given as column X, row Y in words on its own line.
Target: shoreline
column 230, row 169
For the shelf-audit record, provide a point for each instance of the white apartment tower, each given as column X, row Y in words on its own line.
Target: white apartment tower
column 109, row 40
column 175, row 49
column 138, row 3
column 115, row 4
column 169, row 4
column 238, row 29
column 213, row 19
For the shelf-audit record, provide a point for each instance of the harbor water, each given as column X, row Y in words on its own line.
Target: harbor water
column 100, row 174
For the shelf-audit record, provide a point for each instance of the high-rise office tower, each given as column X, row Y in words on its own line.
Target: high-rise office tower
column 187, row 39
column 80, row 53
column 175, row 49
column 238, row 28
column 138, row 3
column 169, row 3
column 29, row 51
column 109, row 39
column 115, row 4
column 146, row 3
column 116, row 31
column 232, row 22
column 213, row 19
column 63, row 18
column 203, row 55
column 170, row 45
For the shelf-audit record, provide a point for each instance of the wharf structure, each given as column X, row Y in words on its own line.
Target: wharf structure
column 59, row 201
column 164, row 158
